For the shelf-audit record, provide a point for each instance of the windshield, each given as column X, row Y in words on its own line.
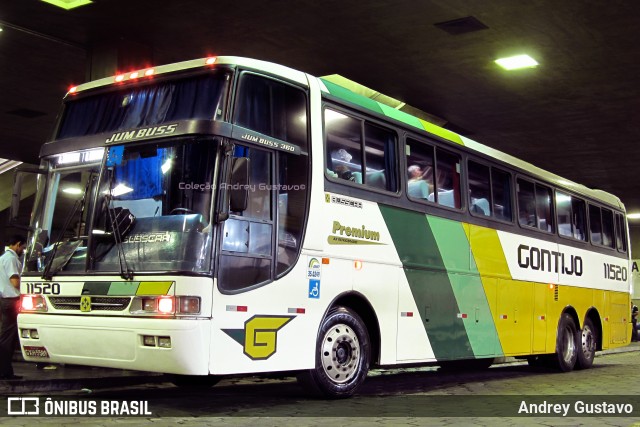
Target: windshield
column 63, row 202
column 153, row 207
column 139, row 208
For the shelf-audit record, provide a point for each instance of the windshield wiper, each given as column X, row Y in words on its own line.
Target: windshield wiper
column 70, row 246
column 125, row 272
column 47, row 274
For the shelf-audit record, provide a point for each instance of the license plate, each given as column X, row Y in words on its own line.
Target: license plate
column 34, row 351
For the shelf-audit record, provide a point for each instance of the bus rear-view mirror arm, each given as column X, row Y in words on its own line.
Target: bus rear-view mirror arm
column 18, row 179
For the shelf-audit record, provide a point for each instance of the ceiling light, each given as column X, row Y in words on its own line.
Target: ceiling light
column 635, row 215
column 517, row 62
column 72, row 190
column 68, row 4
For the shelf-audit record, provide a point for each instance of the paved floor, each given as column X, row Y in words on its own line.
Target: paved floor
column 73, row 377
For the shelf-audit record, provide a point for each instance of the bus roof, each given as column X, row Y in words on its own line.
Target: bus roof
column 346, row 94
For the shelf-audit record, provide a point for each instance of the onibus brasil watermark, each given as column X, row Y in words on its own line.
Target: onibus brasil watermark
column 35, row 406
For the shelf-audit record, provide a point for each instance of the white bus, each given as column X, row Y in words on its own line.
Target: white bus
column 226, row 216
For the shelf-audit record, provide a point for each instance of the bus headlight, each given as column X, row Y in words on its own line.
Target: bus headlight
column 166, row 304
column 33, row 303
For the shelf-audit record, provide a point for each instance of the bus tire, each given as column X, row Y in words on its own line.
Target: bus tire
column 193, row 381
column 343, row 352
column 566, row 344
column 587, row 344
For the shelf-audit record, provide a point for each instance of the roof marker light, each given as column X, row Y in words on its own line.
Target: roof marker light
column 211, row 60
column 134, row 75
column 149, row 72
column 73, row 89
column 119, row 77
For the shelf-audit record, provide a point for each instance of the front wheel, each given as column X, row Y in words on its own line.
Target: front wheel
column 342, row 356
column 566, row 344
column 588, row 340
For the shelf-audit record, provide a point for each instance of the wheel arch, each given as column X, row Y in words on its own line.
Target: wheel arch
column 571, row 311
column 362, row 307
column 594, row 316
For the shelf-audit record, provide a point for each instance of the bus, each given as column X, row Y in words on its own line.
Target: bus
column 227, row 216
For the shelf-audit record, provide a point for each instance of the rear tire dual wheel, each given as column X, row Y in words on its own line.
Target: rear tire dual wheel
column 566, row 344
column 587, row 344
column 343, row 353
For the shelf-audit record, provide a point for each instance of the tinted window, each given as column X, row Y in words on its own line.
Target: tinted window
column 595, row 225
column 420, row 170
column 479, row 189
column 535, row 207
column 621, row 233
column 607, row 228
column 571, row 212
column 359, row 151
column 501, row 185
column 489, row 191
column 272, row 108
column 433, row 174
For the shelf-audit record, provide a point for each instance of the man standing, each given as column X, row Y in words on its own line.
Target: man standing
column 10, row 269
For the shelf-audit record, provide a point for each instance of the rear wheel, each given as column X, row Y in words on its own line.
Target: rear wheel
column 587, row 342
column 566, row 344
column 342, row 356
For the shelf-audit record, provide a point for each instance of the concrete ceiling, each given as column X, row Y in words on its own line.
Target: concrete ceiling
column 577, row 114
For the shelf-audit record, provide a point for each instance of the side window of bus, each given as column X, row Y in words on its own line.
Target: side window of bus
column 433, row 174
column 601, row 226
column 607, row 228
column 489, row 191
column 534, row 205
column 501, row 185
column 479, row 189
column 621, row 233
column 273, row 108
column 347, row 138
column 595, row 225
column 420, row 171
column 572, row 215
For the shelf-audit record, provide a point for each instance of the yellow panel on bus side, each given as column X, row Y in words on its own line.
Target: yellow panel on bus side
column 542, row 293
column 514, row 316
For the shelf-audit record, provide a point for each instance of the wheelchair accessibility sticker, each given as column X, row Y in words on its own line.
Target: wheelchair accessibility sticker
column 314, row 271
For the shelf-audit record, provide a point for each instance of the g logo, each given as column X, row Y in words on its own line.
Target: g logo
column 260, row 335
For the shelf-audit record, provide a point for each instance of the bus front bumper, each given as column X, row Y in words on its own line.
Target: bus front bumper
column 177, row 346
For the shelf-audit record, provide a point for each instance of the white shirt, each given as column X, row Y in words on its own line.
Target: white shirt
column 10, row 266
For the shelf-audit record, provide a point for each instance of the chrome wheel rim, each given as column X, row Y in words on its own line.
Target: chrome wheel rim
column 588, row 342
column 340, row 353
column 569, row 345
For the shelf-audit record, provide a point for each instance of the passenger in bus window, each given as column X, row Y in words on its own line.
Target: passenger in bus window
column 418, row 187
column 342, row 166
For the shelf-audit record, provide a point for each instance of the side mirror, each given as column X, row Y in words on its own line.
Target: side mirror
column 239, row 184
column 16, row 195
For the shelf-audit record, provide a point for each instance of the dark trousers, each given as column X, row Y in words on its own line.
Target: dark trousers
column 8, row 333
